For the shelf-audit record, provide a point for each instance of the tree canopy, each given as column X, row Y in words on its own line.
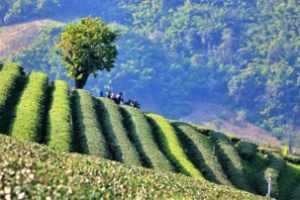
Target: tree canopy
column 88, row 47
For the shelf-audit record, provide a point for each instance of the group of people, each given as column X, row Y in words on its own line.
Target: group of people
column 118, row 98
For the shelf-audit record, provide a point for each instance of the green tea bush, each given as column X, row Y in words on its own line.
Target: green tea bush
column 59, row 128
column 141, row 133
column 87, row 129
column 200, row 151
column 276, row 164
column 121, row 147
column 171, row 146
column 30, row 111
column 32, row 171
column 296, row 193
column 288, row 181
column 203, row 130
column 292, row 159
column 10, row 75
column 230, row 161
column 247, row 150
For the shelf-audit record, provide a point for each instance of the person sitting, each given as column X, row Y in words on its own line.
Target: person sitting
column 110, row 95
column 118, row 98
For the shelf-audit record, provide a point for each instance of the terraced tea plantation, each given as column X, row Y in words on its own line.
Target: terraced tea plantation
column 182, row 159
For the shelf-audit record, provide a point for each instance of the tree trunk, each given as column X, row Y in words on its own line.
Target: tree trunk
column 79, row 84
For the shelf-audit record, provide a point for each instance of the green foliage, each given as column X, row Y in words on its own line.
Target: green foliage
column 296, row 193
column 87, row 129
column 32, row 171
column 59, row 127
column 30, row 110
column 170, row 144
column 285, row 150
column 200, row 151
column 140, row 133
column 253, row 167
column 10, row 74
column 288, row 181
column 87, row 47
column 247, row 150
column 292, row 159
column 275, row 166
column 230, row 161
column 120, row 144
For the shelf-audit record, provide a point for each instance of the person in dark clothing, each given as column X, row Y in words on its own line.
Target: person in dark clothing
column 101, row 94
column 119, row 98
column 110, row 95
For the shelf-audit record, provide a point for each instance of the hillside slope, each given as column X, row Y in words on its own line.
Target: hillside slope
column 17, row 37
column 30, row 171
column 67, row 120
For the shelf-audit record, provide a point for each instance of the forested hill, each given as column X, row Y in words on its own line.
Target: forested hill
column 244, row 54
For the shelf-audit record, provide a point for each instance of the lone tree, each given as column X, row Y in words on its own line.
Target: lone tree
column 88, row 47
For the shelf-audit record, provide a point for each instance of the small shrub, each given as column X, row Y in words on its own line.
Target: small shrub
column 247, row 150
column 141, row 133
column 86, row 125
column 120, row 145
column 230, row 161
column 285, row 150
column 59, row 129
column 10, row 76
column 200, row 151
column 292, row 159
column 276, row 164
column 296, row 193
column 171, row 146
column 30, row 111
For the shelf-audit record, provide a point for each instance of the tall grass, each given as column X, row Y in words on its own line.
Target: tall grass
column 230, row 161
column 141, row 133
column 200, row 151
column 120, row 145
column 59, row 128
column 87, row 129
column 30, row 111
column 10, row 76
column 171, row 146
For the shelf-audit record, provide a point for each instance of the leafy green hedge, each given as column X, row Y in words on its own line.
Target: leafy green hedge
column 203, row 130
column 30, row 111
column 200, row 151
column 32, row 171
column 171, row 146
column 59, row 128
column 288, row 181
column 247, row 150
column 121, row 147
column 87, row 129
column 276, row 164
column 230, row 161
column 141, row 133
column 10, row 74
column 296, row 193
column 292, row 159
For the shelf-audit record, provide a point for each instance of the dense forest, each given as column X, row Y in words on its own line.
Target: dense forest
column 244, row 54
